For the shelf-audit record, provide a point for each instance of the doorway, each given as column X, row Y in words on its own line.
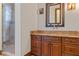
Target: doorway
column 8, row 25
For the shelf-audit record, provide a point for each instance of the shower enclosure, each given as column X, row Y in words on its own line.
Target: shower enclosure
column 8, row 29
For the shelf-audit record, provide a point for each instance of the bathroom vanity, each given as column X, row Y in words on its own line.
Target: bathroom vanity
column 55, row 43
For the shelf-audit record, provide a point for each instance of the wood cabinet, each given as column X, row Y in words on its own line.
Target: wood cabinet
column 54, row 46
column 46, row 45
column 70, row 46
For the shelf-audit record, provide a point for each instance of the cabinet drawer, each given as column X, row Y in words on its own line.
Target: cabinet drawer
column 36, row 37
column 56, row 40
column 46, row 38
column 72, row 41
column 36, row 43
column 71, row 49
column 36, row 51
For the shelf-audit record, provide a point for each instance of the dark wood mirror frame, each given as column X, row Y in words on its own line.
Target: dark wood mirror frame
column 61, row 23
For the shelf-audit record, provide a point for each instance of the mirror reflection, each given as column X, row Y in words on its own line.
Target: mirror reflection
column 54, row 15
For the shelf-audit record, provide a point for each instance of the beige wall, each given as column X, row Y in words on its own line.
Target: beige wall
column 25, row 21
column 71, row 20
column 28, row 23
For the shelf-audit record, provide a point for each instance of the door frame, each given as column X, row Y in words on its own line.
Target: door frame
column 1, row 29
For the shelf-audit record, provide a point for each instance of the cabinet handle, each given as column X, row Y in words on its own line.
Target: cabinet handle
column 70, row 50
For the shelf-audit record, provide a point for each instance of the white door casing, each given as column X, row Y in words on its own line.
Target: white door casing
column 0, row 27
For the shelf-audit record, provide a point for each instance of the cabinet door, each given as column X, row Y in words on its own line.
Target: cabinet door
column 56, row 49
column 71, row 50
column 36, row 41
column 70, row 46
column 36, row 51
column 56, row 46
column 46, row 46
column 36, row 45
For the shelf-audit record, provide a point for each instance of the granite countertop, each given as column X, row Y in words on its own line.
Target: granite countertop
column 74, row 34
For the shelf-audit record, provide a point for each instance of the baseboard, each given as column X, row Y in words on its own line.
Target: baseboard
column 28, row 54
